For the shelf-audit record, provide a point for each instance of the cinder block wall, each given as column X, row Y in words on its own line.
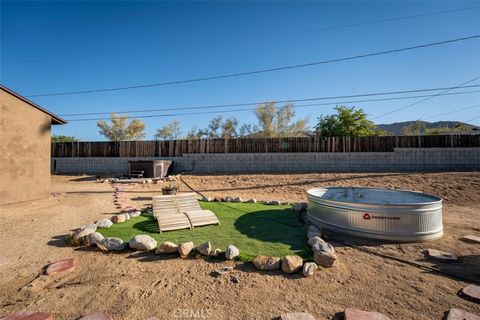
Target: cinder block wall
column 404, row 159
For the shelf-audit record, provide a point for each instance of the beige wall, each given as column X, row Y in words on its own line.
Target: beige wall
column 24, row 151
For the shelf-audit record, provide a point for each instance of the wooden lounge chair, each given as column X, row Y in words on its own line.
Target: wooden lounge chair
column 187, row 203
column 168, row 216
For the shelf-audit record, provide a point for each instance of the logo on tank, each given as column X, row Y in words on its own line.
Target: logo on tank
column 367, row 216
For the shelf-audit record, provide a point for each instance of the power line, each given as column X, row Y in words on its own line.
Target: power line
column 475, row 118
column 277, row 101
column 451, row 112
column 253, row 109
column 310, row 64
column 425, row 99
column 358, row 24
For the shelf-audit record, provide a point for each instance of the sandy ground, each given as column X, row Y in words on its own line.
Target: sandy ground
column 33, row 234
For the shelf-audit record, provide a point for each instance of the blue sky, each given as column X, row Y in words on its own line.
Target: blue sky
column 68, row 46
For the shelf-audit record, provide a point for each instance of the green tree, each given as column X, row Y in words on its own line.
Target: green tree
column 273, row 121
column 120, row 129
column 458, row 127
column 62, row 138
column 347, row 122
column 171, row 131
column 415, row 129
column 229, row 128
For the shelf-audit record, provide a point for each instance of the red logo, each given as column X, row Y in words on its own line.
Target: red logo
column 366, row 216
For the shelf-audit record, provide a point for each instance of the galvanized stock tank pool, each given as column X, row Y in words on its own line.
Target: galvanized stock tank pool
column 397, row 215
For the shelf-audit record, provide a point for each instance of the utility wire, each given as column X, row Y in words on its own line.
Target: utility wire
column 239, row 74
column 425, row 99
column 478, row 117
column 260, row 102
column 358, row 24
column 451, row 112
column 253, row 109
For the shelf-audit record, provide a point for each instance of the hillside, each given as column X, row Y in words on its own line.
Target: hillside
column 397, row 127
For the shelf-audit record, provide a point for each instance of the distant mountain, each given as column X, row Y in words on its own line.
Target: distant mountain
column 397, row 127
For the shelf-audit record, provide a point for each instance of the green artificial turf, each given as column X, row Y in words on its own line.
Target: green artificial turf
column 255, row 229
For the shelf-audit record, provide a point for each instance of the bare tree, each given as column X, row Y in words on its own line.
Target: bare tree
column 120, row 129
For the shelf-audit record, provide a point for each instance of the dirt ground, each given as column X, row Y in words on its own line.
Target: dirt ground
column 33, row 234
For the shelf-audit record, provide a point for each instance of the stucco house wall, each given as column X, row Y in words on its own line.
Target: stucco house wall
column 24, row 150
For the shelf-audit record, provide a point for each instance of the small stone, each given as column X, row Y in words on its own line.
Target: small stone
column 471, row 238
column 96, row 315
column 93, row 239
column 472, row 291
column 234, row 279
column 205, row 248
column 459, row 314
column 127, row 215
column 207, row 199
column 300, row 207
column 218, row 199
column 112, row 244
column 297, row 316
column 135, row 214
column 324, row 255
column 291, row 264
column 223, row 270
column 267, row 263
column 60, row 266
column 309, row 269
column 237, row 199
column 28, row 315
column 315, row 240
column 119, row 218
column 104, row 223
column 273, row 202
column 142, row 242
column 253, row 200
column 354, row 314
column 167, row 247
column 313, row 234
column 85, row 231
column 185, row 248
column 216, row 252
column 440, row 255
column 228, row 199
column 232, row 252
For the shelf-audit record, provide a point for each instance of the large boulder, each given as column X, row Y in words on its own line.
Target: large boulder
column 267, row 263
column 291, row 264
column 96, row 315
column 309, row 269
column 231, row 252
column 253, row 200
column 355, row 314
column 167, row 247
column 205, row 248
column 459, row 314
column 185, row 248
column 142, row 242
column 93, row 239
column 104, row 223
column 112, row 244
column 85, row 231
column 237, row 199
column 324, row 255
column 26, row 315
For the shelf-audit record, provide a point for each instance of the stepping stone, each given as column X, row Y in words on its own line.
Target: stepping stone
column 440, row 255
column 60, row 266
column 472, row 291
column 29, row 315
column 96, row 315
column 354, row 314
column 297, row 316
column 458, row 314
column 471, row 238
